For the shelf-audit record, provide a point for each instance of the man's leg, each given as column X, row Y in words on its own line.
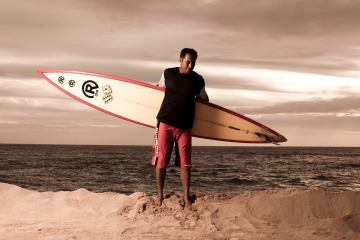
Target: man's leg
column 163, row 145
column 184, row 147
column 160, row 179
column 185, row 174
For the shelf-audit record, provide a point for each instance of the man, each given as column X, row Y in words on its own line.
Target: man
column 175, row 120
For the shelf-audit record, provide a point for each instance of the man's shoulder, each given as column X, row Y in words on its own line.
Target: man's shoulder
column 197, row 77
column 175, row 70
column 171, row 70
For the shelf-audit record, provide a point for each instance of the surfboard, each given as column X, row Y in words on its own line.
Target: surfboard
column 139, row 102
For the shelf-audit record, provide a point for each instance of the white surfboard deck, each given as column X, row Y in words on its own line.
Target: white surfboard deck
column 139, row 102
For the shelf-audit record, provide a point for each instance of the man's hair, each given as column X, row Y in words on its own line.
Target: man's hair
column 190, row 51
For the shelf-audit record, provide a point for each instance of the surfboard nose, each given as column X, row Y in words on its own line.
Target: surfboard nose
column 282, row 139
column 42, row 71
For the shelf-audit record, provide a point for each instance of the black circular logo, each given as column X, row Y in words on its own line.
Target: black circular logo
column 72, row 83
column 61, row 79
column 90, row 88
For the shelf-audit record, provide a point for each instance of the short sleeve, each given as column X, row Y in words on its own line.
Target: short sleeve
column 161, row 82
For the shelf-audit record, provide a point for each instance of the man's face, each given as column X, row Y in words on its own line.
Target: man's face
column 187, row 64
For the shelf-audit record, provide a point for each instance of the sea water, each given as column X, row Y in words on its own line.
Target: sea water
column 231, row 170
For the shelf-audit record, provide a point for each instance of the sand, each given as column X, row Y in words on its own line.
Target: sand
column 281, row 214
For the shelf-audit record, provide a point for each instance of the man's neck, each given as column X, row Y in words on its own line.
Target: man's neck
column 181, row 71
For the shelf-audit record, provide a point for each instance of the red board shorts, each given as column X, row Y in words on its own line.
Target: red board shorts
column 165, row 137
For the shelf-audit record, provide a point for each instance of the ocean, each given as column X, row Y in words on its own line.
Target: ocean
column 229, row 170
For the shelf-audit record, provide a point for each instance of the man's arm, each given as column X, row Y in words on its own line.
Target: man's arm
column 161, row 82
column 203, row 95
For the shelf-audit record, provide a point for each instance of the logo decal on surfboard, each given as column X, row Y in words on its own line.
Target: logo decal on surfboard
column 107, row 94
column 72, row 83
column 90, row 88
column 61, row 79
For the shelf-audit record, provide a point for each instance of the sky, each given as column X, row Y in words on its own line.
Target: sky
column 291, row 65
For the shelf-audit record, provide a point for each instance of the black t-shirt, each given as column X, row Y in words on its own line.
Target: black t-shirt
column 178, row 106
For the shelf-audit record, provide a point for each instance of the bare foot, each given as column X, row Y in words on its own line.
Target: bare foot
column 158, row 201
column 187, row 205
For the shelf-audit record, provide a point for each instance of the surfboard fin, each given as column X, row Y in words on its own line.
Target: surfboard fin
column 267, row 138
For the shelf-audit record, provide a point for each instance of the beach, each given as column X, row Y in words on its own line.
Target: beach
column 80, row 100
column 272, row 214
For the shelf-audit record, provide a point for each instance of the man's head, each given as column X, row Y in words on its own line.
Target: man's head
column 187, row 59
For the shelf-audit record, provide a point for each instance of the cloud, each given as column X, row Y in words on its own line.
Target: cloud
column 315, row 106
column 233, row 86
column 269, row 17
column 314, row 35
column 311, row 123
column 289, row 63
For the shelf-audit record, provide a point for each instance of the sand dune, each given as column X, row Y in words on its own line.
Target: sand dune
column 283, row 214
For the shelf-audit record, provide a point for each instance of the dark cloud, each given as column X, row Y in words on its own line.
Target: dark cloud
column 261, row 17
column 307, row 33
